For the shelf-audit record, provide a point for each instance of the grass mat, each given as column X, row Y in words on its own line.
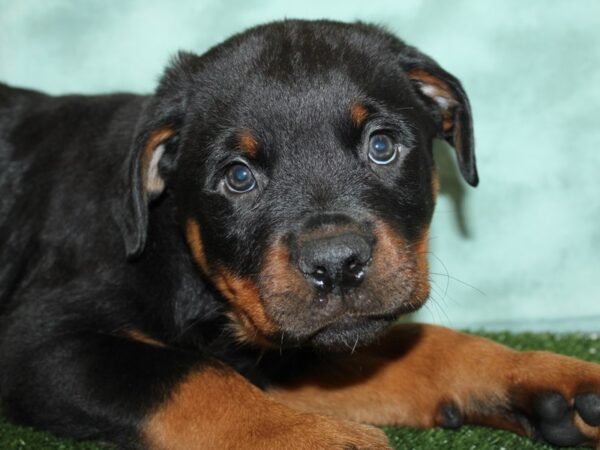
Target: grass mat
column 585, row 346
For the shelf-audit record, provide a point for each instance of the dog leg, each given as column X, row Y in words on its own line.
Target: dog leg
column 141, row 394
column 424, row 376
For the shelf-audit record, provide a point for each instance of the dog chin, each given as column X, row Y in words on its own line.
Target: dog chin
column 351, row 333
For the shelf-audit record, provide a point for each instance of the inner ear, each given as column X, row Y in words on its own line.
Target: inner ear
column 153, row 183
column 438, row 91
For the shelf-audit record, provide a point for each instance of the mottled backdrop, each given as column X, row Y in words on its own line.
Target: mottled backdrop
column 520, row 251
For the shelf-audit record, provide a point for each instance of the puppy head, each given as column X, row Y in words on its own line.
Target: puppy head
column 299, row 157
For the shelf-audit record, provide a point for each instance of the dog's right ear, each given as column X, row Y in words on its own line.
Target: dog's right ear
column 153, row 153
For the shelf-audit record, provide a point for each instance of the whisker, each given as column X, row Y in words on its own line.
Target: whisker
column 460, row 281
column 355, row 344
column 445, row 269
column 442, row 311
column 436, row 290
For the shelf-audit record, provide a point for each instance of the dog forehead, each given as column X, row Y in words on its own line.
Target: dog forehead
column 294, row 57
column 298, row 81
column 311, row 45
column 308, row 101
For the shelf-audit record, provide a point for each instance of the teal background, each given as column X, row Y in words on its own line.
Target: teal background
column 522, row 250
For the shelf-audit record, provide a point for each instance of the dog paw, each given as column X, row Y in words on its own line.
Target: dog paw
column 449, row 416
column 565, row 422
column 561, row 402
column 548, row 397
column 588, row 407
column 333, row 434
column 549, row 417
column 312, row 431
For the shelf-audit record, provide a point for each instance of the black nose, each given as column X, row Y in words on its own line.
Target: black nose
column 335, row 261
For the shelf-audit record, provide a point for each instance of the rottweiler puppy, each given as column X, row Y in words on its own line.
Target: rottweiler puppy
column 220, row 265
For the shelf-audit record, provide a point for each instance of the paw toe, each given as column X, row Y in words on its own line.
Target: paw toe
column 451, row 416
column 588, row 407
column 555, row 420
column 550, row 407
column 562, row 433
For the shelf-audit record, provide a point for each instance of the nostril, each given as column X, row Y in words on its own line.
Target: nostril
column 350, row 269
column 353, row 273
column 352, row 265
column 321, row 278
column 320, row 273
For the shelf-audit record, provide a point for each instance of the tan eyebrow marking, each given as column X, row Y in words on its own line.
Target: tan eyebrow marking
column 248, row 143
column 359, row 113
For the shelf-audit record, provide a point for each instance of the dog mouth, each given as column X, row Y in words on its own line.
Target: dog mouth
column 348, row 332
column 345, row 331
column 351, row 333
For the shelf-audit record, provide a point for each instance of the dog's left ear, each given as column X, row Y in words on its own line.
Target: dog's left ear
column 153, row 154
column 448, row 105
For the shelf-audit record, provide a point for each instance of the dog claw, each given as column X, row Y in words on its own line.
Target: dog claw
column 588, row 407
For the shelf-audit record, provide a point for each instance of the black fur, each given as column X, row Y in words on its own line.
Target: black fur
column 86, row 254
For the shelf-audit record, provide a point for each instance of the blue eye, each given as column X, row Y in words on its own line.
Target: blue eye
column 381, row 149
column 239, row 179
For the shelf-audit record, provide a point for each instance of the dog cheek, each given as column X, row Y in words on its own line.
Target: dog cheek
column 249, row 319
column 399, row 267
column 251, row 323
column 285, row 292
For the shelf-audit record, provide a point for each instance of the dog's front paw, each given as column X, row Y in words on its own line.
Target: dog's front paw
column 557, row 399
column 546, row 396
column 312, row 431
column 567, row 422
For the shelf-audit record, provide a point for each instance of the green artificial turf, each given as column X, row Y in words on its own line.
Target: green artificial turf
column 583, row 346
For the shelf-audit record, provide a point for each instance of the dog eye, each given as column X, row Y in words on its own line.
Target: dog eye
column 239, row 179
column 381, row 149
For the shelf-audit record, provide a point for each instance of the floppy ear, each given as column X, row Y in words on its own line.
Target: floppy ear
column 144, row 181
column 153, row 154
column 448, row 105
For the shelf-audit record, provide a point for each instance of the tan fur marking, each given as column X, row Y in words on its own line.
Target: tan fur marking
column 329, row 230
column 248, row 143
column 215, row 408
column 194, row 239
column 397, row 262
column 244, row 297
column 421, row 250
column 278, row 273
column 592, row 432
column 153, row 184
column 137, row 335
column 250, row 322
column 359, row 114
column 200, row 410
